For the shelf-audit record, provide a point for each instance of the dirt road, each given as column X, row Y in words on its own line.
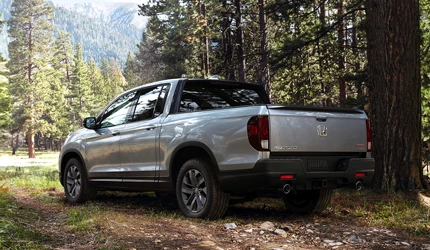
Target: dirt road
column 141, row 221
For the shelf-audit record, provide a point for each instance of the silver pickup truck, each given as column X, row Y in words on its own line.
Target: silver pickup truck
column 207, row 140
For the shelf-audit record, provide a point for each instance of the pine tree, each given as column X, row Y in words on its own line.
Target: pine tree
column 79, row 91
column 96, row 80
column 63, row 56
column 117, row 80
column 131, row 73
column 31, row 31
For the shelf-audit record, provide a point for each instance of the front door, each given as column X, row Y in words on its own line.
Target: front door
column 102, row 147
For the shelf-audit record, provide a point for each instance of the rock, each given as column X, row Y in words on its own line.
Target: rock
column 309, row 231
column 281, row 232
column 354, row 239
column 252, row 248
column 261, row 232
column 328, row 241
column 190, row 235
column 346, row 233
column 243, row 235
column 230, row 226
column 286, row 227
column 248, row 230
column 206, row 243
column 425, row 247
column 332, row 244
column 268, row 226
column 405, row 243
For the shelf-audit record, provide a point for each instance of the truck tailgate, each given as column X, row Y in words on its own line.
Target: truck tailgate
column 313, row 129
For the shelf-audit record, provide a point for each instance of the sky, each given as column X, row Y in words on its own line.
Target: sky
column 95, row 1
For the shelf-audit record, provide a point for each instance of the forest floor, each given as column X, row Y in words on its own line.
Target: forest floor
column 35, row 215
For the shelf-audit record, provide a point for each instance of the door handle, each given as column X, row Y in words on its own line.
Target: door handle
column 150, row 128
column 115, row 133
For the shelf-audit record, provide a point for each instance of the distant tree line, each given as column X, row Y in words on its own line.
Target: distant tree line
column 51, row 87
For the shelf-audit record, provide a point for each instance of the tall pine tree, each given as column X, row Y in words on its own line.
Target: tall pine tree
column 31, row 31
column 79, row 91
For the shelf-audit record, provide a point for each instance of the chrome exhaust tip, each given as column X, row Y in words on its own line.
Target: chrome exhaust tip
column 358, row 185
column 286, row 189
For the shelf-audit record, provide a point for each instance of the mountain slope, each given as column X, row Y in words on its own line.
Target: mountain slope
column 106, row 31
column 114, row 13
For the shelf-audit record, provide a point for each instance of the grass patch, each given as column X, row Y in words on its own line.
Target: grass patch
column 396, row 211
column 16, row 230
column 30, row 177
column 84, row 219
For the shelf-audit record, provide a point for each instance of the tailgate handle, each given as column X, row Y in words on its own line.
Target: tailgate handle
column 321, row 118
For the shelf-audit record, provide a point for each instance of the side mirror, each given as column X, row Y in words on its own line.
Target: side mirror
column 90, row 123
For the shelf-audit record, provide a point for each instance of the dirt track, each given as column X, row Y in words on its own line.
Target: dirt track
column 141, row 221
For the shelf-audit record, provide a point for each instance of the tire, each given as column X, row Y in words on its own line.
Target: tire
column 198, row 192
column 76, row 185
column 306, row 202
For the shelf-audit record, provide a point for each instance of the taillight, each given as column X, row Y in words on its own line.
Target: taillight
column 258, row 132
column 369, row 136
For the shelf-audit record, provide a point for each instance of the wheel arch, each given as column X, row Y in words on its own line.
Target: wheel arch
column 66, row 157
column 187, row 151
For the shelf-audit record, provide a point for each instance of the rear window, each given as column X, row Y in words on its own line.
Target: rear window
column 199, row 95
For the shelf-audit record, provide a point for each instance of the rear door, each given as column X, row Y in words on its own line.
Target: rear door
column 138, row 143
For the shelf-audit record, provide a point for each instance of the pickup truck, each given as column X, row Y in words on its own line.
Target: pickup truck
column 205, row 141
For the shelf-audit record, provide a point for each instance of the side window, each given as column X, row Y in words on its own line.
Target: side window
column 117, row 113
column 150, row 103
column 202, row 96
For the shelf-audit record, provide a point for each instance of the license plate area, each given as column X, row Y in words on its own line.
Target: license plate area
column 318, row 164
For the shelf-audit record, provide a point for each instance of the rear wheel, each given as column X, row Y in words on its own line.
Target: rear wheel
column 197, row 191
column 309, row 201
column 76, row 185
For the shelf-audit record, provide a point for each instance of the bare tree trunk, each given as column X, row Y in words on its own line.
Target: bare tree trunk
column 228, row 43
column 354, row 45
column 341, row 59
column 206, row 39
column 30, row 138
column 239, row 41
column 322, row 52
column 264, row 68
column 393, row 36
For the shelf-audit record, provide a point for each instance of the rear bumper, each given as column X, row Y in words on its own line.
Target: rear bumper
column 266, row 175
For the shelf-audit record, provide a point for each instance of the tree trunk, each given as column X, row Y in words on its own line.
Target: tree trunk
column 239, row 41
column 322, row 51
column 264, row 69
column 341, row 58
column 30, row 137
column 206, row 39
column 393, row 36
column 228, row 43
column 354, row 45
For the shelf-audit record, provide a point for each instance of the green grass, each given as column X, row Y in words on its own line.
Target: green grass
column 23, row 151
column 86, row 219
column 396, row 211
column 16, row 230
column 30, row 177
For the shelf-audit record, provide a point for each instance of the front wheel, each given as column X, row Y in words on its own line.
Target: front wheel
column 197, row 191
column 76, row 185
column 309, row 201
